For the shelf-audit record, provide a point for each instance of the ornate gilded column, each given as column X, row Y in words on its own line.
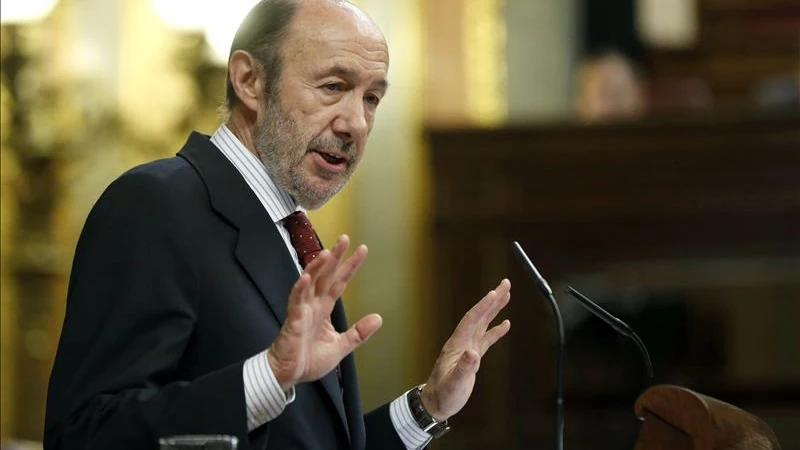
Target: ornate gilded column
column 32, row 262
column 485, row 67
column 466, row 79
column 9, row 182
column 56, row 109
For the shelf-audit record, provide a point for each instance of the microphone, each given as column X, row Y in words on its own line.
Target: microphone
column 544, row 288
column 618, row 325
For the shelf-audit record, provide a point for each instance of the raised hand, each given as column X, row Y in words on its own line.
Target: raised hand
column 450, row 384
column 308, row 346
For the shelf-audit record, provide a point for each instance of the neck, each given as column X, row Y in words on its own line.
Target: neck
column 242, row 127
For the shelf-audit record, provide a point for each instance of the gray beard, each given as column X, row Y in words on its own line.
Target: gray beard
column 280, row 148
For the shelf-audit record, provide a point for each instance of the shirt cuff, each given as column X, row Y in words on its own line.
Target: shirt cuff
column 410, row 433
column 263, row 395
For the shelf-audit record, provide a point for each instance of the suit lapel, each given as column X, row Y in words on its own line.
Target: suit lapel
column 260, row 249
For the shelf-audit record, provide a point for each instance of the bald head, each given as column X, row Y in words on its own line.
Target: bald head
column 312, row 15
column 270, row 23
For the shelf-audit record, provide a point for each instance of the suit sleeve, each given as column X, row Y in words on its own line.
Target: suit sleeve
column 381, row 432
column 131, row 311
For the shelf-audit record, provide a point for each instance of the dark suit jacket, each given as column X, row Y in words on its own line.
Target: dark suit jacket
column 179, row 276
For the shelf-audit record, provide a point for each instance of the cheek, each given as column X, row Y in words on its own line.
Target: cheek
column 313, row 115
column 360, row 150
column 311, row 100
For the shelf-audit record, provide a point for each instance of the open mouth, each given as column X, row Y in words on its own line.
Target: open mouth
column 330, row 162
column 333, row 159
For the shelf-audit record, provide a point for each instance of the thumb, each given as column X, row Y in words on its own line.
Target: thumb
column 360, row 332
column 467, row 364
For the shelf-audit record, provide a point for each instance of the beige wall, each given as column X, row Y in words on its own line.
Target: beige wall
column 541, row 54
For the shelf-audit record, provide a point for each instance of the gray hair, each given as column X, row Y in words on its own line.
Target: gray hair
column 261, row 34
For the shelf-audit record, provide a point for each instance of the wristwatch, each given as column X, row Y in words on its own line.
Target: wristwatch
column 424, row 419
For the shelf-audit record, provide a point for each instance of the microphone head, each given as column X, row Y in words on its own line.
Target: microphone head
column 618, row 325
column 544, row 288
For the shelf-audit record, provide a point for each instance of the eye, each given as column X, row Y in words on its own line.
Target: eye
column 372, row 99
column 333, row 87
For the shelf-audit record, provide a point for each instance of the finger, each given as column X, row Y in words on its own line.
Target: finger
column 342, row 243
column 348, row 268
column 494, row 335
column 327, row 274
column 337, row 289
column 503, row 287
column 470, row 323
column 477, row 319
column 298, row 296
column 359, row 333
column 300, row 288
column 487, row 304
column 491, row 313
column 479, row 309
column 317, row 264
column 313, row 270
column 500, row 297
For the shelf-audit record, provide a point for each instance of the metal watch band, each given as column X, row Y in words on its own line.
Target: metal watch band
column 427, row 422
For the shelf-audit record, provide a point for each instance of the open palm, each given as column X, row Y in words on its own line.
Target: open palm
column 308, row 346
column 453, row 377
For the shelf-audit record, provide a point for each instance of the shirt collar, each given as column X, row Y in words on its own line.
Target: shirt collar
column 277, row 202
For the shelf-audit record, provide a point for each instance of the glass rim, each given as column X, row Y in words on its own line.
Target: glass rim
column 198, row 439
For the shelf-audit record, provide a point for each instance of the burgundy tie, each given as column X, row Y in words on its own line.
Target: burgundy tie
column 303, row 238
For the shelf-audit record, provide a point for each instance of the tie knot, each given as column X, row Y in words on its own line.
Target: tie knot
column 302, row 236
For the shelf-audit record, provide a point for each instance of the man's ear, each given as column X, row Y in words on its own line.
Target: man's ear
column 247, row 80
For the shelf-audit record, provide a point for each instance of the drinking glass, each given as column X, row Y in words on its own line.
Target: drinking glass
column 199, row 442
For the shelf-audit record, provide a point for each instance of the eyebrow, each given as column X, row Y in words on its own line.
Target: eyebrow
column 350, row 74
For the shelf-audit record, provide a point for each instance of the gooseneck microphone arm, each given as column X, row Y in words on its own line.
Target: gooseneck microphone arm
column 620, row 326
column 544, row 288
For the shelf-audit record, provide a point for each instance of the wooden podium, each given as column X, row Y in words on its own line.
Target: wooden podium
column 676, row 418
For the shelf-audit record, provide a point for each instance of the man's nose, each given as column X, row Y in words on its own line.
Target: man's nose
column 351, row 123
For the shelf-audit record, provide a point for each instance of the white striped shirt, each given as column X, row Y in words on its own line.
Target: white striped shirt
column 264, row 397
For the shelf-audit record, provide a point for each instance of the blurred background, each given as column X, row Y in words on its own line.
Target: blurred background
column 645, row 151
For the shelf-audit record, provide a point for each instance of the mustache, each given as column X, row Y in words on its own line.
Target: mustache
column 333, row 143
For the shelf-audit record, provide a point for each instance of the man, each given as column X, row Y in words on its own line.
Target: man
column 185, row 314
column 608, row 88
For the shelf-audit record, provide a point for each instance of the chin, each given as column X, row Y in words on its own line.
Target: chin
column 311, row 206
column 310, row 198
column 312, row 189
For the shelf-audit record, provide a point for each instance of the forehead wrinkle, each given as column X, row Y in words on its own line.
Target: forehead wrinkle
column 344, row 70
column 368, row 59
column 331, row 42
column 348, row 53
column 364, row 63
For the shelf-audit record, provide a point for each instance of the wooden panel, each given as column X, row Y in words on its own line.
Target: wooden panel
column 744, row 46
column 444, row 74
column 583, row 200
